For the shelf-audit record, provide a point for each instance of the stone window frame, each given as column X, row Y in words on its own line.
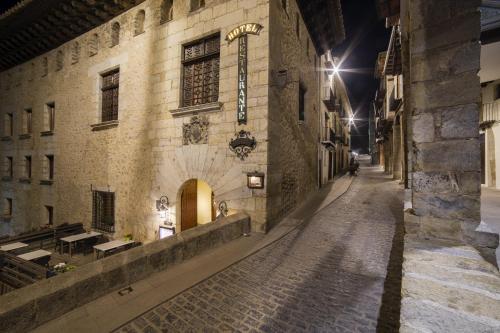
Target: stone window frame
column 8, row 168
column 139, row 22
column 93, row 45
column 302, row 98
column 49, row 214
column 166, row 11
column 195, row 5
column 27, row 124
column 102, row 122
column 115, row 34
column 49, row 114
column 27, row 169
column 48, row 166
column 7, row 208
column 75, row 52
column 59, row 60
column 8, row 129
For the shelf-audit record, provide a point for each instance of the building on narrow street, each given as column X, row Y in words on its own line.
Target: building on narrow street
column 336, row 111
column 490, row 92
column 388, row 105
column 136, row 116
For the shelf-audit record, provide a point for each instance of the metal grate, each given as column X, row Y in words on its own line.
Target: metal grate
column 103, row 211
column 110, row 86
column 201, row 72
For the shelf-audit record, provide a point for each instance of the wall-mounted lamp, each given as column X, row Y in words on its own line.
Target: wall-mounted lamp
column 255, row 179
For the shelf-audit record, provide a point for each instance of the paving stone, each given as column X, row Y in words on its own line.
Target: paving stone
column 340, row 271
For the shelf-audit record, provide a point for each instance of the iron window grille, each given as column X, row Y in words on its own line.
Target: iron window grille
column 200, row 83
column 103, row 211
column 110, row 87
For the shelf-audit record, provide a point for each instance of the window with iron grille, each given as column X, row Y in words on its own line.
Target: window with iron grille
column 200, row 62
column 103, row 211
column 110, row 85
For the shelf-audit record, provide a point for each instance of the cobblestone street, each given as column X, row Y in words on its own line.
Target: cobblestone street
column 338, row 272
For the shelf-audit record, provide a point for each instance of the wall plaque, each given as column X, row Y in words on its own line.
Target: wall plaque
column 196, row 132
column 243, row 144
column 241, row 32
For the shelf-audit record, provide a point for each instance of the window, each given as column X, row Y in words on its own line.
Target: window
column 497, row 91
column 139, row 22
column 49, row 213
column 27, row 167
column 93, row 45
column 7, row 207
column 49, row 118
column 201, row 72
column 103, row 211
column 302, row 102
column 110, row 86
column 8, row 170
column 197, row 4
column 115, row 34
column 59, row 60
column 166, row 11
column 27, row 121
column 48, row 167
column 9, row 124
column 75, row 53
column 45, row 65
column 297, row 25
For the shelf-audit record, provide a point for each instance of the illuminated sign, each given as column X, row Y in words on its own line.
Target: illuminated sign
column 244, row 29
column 241, row 32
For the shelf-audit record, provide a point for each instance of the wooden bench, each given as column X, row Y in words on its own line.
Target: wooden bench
column 16, row 272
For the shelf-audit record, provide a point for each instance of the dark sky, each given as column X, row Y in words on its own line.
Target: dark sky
column 368, row 36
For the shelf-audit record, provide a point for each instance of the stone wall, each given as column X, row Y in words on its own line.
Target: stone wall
column 293, row 154
column 24, row 309
column 444, row 104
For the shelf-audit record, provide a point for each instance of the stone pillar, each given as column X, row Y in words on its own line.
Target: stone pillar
column 388, row 154
column 396, row 151
column 444, row 103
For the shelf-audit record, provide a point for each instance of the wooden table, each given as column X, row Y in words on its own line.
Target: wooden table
column 41, row 257
column 76, row 238
column 13, row 246
column 110, row 246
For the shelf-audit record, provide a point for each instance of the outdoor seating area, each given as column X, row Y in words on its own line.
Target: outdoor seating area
column 36, row 255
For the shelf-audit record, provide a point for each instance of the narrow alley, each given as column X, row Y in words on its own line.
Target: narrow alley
column 329, row 274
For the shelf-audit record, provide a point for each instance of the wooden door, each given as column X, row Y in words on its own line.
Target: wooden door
column 189, row 213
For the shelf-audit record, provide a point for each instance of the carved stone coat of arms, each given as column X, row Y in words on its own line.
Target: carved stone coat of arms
column 196, row 131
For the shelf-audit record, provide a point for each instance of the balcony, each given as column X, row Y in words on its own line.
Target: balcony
column 490, row 113
column 329, row 99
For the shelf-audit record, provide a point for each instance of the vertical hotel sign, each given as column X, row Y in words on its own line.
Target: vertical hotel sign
column 241, row 32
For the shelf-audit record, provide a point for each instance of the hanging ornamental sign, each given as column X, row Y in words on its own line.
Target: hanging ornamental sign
column 241, row 32
column 243, row 144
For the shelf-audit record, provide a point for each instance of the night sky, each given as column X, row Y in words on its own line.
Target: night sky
column 369, row 36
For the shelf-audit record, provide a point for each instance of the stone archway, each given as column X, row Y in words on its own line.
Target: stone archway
column 195, row 204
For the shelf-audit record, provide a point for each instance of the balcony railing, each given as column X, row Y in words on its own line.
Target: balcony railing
column 490, row 112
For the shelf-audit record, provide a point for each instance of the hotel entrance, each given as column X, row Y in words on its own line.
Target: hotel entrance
column 196, row 204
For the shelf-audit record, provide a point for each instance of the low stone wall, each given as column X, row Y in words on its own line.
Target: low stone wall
column 448, row 287
column 27, row 308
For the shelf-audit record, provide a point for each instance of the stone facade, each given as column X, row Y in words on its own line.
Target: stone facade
column 156, row 145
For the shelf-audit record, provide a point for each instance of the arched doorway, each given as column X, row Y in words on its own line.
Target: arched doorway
column 196, row 204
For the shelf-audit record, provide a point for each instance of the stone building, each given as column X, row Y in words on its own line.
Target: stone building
column 388, row 106
column 490, row 92
column 335, row 113
column 129, row 115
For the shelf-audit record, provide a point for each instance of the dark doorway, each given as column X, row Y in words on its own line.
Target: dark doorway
column 483, row 159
